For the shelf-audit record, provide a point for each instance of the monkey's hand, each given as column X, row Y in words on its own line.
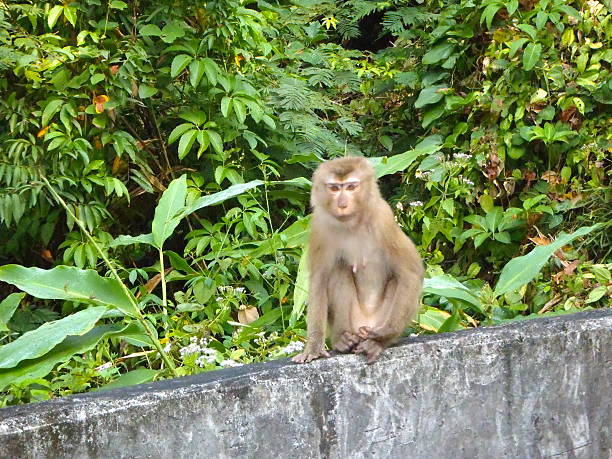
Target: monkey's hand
column 310, row 353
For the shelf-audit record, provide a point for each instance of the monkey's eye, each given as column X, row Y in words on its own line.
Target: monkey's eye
column 333, row 187
column 352, row 186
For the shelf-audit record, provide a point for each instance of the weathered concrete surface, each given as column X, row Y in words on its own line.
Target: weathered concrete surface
column 527, row 390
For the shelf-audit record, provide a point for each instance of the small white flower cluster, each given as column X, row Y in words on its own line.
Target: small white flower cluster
column 196, row 346
column 240, row 290
column 416, row 204
column 167, row 347
column 459, row 156
column 225, row 288
column 451, row 164
column 399, row 206
column 261, row 338
column 423, row 174
column 230, row 363
column 293, row 346
column 466, row 181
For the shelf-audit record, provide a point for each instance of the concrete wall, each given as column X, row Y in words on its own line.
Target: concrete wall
column 531, row 389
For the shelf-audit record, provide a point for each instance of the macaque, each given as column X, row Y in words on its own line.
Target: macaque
column 365, row 273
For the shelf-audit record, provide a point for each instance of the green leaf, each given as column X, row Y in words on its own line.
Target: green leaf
column 168, row 212
column 40, row 367
column 595, row 295
column 240, row 110
column 179, row 63
column 451, row 288
column 178, row 131
column 433, row 114
column 150, row 30
column 541, row 19
column 36, row 343
column 431, row 318
column 438, row 53
column 385, row 166
column 7, row 308
column 54, row 15
column 117, row 5
column 197, row 117
column 226, row 105
column 131, row 378
column 300, row 293
column 515, row 46
column 69, row 283
column 521, row 270
column 529, row 30
column 429, row 95
column 196, row 72
column 503, row 237
column 451, row 324
column 70, row 13
column 51, row 109
column 531, row 55
column 186, row 143
column 215, row 140
column 145, row 91
column 124, row 239
column 211, row 70
column 219, row 197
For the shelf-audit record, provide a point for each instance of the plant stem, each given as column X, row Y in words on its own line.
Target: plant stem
column 139, row 316
column 162, row 273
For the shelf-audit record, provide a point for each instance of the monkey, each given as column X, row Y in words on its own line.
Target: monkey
column 366, row 275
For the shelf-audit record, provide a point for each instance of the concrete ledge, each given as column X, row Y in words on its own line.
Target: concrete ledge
column 539, row 388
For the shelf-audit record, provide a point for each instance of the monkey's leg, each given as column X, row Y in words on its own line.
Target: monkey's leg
column 400, row 304
column 371, row 348
column 316, row 320
column 343, row 298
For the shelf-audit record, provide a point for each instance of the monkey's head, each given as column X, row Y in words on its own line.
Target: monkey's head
column 343, row 187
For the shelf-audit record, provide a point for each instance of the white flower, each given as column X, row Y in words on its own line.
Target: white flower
column 230, row 363
column 167, row 347
column 204, row 359
column 294, row 346
column 416, row 204
column 399, row 206
column 105, row 366
column 462, row 156
column 239, row 289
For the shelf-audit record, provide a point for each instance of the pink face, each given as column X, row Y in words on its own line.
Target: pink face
column 343, row 195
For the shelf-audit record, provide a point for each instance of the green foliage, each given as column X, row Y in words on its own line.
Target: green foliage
column 488, row 125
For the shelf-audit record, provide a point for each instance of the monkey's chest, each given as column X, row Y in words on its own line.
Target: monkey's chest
column 369, row 272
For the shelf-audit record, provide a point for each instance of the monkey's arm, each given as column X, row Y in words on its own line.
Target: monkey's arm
column 316, row 319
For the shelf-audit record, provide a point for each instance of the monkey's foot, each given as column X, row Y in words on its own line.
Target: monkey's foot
column 309, row 356
column 347, row 342
column 366, row 333
column 370, row 348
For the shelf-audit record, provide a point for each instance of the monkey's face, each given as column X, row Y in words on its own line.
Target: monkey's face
column 343, row 197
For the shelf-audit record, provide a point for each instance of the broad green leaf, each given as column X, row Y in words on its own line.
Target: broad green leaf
column 197, row 117
column 521, row 270
column 54, row 15
column 431, row 115
column 451, row 288
column 451, row 324
column 438, row 53
column 178, row 131
column 150, row 30
column 215, row 140
column 239, row 109
column 179, row 63
column 125, row 239
column 145, row 91
column 529, row 30
column 211, row 70
column 595, row 295
column 226, row 105
column 36, row 343
column 70, row 13
column 300, row 293
column 69, row 283
column 515, row 46
column 429, row 95
column 7, row 308
column 216, row 198
column 117, row 5
column 37, row 368
column 385, row 166
column 51, row 109
column 186, row 142
column 196, row 72
column 168, row 212
column 531, row 55
column 131, row 378
column 431, row 318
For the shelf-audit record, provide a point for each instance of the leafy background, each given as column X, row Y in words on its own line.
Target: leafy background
column 155, row 161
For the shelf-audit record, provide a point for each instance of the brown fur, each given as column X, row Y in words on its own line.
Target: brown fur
column 365, row 273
